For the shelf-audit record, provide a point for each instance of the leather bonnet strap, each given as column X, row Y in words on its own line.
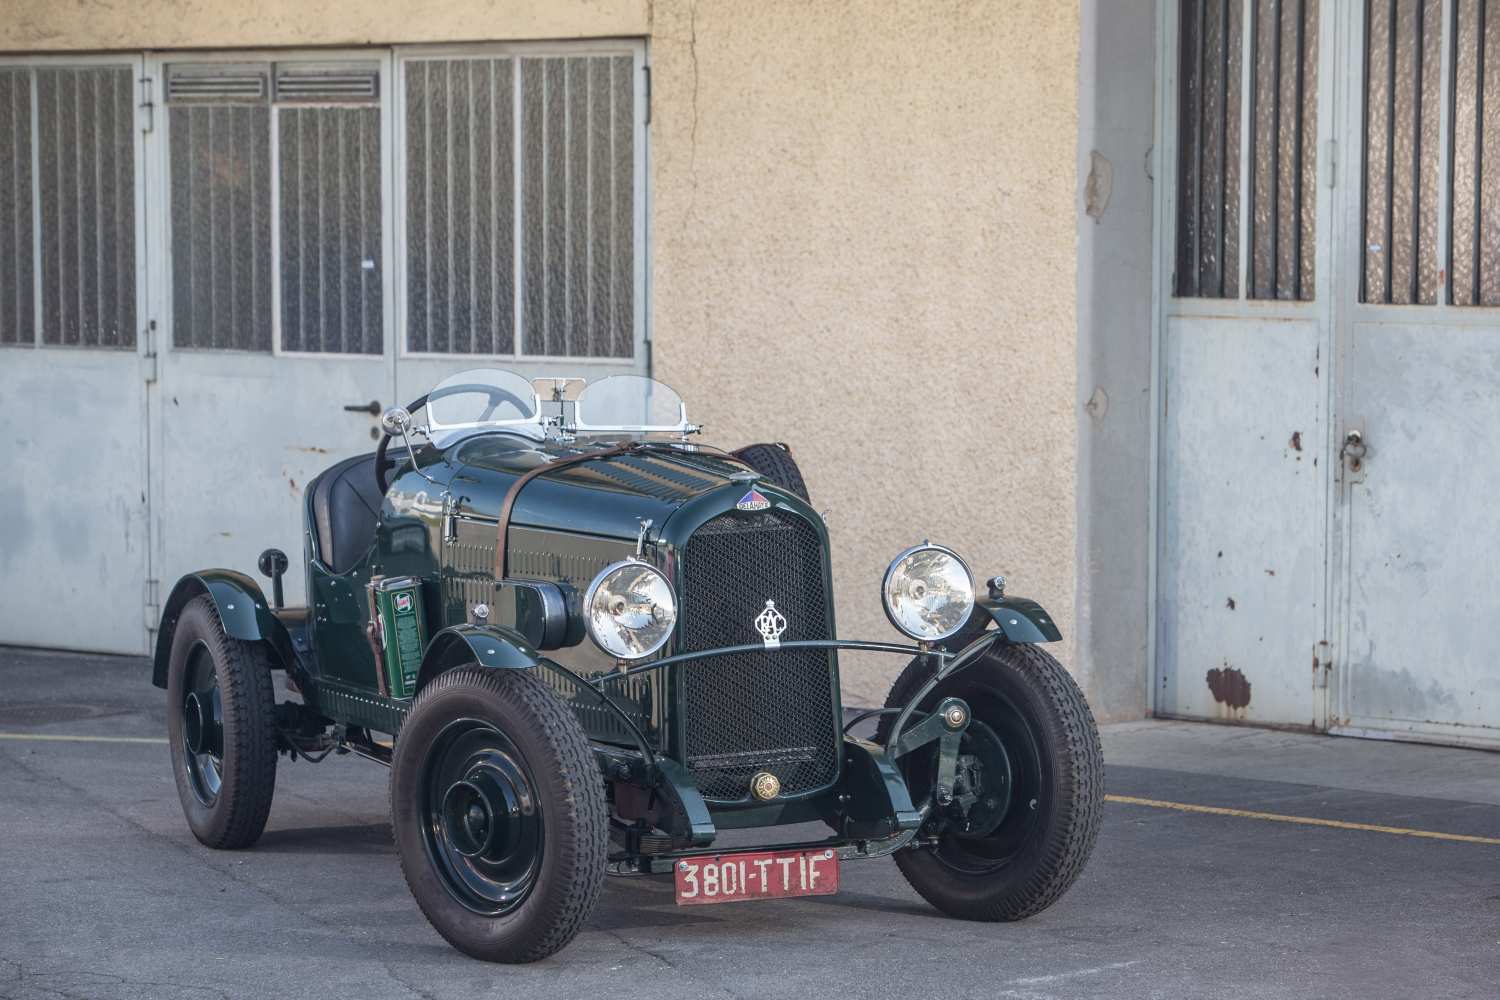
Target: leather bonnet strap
column 513, row 494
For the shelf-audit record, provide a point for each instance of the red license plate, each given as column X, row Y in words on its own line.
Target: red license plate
column 729, row 878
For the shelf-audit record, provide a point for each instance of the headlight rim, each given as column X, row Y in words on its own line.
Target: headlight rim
column 593, row 589
column 885, row 582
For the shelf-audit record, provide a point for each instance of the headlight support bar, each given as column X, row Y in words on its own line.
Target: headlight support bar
column 757, row 647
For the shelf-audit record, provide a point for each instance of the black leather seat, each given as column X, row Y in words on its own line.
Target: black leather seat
column 346, row 508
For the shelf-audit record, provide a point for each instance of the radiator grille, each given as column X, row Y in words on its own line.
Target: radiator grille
column 763, row 710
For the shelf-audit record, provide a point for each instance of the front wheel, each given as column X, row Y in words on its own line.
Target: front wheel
column 1033, row 776
column 499, row 814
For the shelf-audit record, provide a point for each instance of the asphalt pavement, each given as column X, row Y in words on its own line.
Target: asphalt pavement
column 1233, row 863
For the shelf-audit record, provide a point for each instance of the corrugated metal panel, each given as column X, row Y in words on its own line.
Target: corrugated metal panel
column 330, row 230
column 1476, row 154
column 460, row 200
column 17, row 277
column 338, row 83
column 1283, row 149
column 577, row 234
column 1403, row 59
column 86, row 173
column 221, row 229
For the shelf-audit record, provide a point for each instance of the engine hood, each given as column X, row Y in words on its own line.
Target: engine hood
column 609, row 496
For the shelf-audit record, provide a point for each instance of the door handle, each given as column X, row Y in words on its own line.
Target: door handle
column 372, row 407
column 1353, row 451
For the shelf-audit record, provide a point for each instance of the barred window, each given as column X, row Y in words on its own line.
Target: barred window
column 17, row 279
column 1403, row 60
column 326, row 180
column 1476, row 154
column 520, row 206
column 1271, row 161
column 70, row 221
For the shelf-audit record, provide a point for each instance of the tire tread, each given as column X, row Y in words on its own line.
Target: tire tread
column 249, row 700
column 586, row 836
column 1081, row 784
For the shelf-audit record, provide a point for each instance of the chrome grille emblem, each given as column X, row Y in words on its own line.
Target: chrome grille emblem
column 770, row 623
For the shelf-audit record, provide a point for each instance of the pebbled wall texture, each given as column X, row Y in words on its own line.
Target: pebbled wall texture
column 863, row 237
column 862, row 242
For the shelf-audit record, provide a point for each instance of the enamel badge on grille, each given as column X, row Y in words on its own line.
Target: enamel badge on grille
column 770, row 623
column 753, row 500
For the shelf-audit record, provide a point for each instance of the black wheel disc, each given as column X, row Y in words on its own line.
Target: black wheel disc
column 482, row 822
column 1006, row 744
column 202, row 711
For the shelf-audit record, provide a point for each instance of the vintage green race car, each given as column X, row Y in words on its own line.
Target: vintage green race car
column 585, row 644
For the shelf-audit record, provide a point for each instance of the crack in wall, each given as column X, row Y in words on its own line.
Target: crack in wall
column 693, row 107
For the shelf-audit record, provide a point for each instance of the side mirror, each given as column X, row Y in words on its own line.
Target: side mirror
column 395, row 421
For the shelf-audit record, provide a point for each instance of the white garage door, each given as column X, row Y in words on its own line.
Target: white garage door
column 209, row 299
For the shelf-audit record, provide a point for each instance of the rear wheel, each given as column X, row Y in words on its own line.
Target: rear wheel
column 775, row 462
column 499, row 814
column 221, row 726
column 1032, row 751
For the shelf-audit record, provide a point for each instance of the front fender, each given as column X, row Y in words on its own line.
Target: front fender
column 242, row 610
column 489, row 645
column 1020, row 618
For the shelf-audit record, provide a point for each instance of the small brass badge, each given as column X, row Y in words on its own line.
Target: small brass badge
column 765, row 786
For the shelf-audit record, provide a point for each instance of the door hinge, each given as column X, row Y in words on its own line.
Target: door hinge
column 647, row 70
column 148, row 107
column 152, row 604
column 1322, row 663
column 1331, row 158
column 150, row 365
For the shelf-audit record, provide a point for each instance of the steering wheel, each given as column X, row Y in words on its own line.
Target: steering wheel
column 383, row 464
column 496, row 397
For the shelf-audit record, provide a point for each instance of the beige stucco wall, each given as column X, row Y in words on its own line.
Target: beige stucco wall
column 862, row 242
column 179, row 24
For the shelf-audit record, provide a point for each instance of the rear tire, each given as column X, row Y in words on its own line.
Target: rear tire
column 776, row 464
column 221, row 724
column 1032, row 707
column 499, row 814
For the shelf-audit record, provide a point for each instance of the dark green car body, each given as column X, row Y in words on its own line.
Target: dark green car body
column 679, row 744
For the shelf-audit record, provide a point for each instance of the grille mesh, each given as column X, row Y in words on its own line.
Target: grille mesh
column 763, row 710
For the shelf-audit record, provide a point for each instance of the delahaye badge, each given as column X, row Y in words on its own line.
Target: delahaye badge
column 754, row 500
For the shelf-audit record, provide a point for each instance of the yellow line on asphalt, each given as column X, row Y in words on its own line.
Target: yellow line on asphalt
column 1128, row 800
column 61, row 738
column 1337, row 824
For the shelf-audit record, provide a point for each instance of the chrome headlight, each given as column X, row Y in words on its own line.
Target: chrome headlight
column 629, row 609
column 928, row 592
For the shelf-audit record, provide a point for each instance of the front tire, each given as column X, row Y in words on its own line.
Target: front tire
column 499, row 814
column 221, row 724
column 1043, row 820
